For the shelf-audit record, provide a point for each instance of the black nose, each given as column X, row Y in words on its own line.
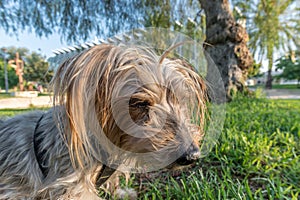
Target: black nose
column 191, row 155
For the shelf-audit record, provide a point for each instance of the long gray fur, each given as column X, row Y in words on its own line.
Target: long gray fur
column 18, row 158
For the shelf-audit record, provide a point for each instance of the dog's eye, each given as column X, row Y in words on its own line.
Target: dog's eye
column 138, row 103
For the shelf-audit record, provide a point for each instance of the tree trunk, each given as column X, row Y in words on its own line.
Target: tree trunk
column 269, row 80
column 269, row 76
column 226, row 45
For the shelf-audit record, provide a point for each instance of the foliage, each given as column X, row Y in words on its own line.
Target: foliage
column 272, row 25
column 72, row 19
column 290, row 68
column 11, row 51
column 271, row 29
column 185, row 17
column 77, row 20
column 11, row 75
column 270, row 22
column 36, row 69
column 35, row 66
column 254, row 70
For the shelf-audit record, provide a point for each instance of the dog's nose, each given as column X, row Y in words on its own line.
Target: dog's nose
column 194, row 155
column 191, row 155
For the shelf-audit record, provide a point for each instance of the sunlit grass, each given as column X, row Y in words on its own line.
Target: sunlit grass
column 257, row 157
column 4, row 95
column 10, row 112
column 280, row 86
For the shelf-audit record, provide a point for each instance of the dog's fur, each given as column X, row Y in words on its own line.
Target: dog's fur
column 97, row 95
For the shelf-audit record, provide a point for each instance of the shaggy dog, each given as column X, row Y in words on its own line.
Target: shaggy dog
column 116, row 107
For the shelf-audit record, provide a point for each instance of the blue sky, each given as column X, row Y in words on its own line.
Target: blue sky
column 31, row 42
column 43, row 45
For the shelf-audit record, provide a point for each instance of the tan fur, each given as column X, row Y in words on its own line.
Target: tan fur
column 125, row 101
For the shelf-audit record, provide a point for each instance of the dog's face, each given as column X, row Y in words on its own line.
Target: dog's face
column 163, row 120
column 143, row 103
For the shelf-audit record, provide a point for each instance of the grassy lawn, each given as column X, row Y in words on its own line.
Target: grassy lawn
column 4, row 95
column 7, row 95
column 285, row 87
column 257, row 157
column 276, row 86
column 11, row 112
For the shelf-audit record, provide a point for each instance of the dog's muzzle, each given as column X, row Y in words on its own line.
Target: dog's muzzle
column 190, row 156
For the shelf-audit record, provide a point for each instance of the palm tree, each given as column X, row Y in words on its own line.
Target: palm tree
column 272, row 29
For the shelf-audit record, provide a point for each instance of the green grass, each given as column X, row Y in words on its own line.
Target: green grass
column 9, row 112
column 294, row 86
column 4, row 95
column 44, row 94
column 257, row 157
column 277, row 86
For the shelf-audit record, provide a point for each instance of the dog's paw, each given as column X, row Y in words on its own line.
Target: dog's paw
column 126, row 193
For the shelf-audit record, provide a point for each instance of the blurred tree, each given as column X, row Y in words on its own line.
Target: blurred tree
column 159, row 14
column 35, row 67
column 11, row 51
column 13, row 79
column 78, row 20
column 227, row 44
column 183, row 16
column 73, row 20
column 254, row 71
column 273, row 25
column 290, row 66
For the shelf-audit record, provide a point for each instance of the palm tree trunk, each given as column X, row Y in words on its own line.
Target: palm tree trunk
column 269, row 76
column 269, row 80
column 227, row 45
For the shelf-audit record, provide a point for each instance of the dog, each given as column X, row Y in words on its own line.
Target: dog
column 116, row 108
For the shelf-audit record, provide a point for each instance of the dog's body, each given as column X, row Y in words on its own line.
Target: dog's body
column 21, row 176
column 128, row 97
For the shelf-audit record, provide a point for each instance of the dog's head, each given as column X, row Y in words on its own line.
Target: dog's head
column 143, row 103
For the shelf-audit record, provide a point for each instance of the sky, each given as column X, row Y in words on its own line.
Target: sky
column 32, row 42
column 44, row 45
